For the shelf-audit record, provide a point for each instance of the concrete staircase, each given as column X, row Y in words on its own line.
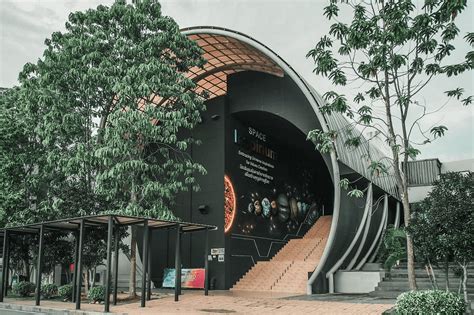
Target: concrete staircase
column 288, row 270
column 392, row 286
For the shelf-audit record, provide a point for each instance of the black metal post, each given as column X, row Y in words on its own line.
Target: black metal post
column 180, row 264
column 148, row 284
column 39, row 266
column 74, row 275
column 79, row 265
column 110, row 230
column 116, row 256
column 177, row 264
column 4, row 258
column 206, row 264
column 6, row 265
column 145, row 261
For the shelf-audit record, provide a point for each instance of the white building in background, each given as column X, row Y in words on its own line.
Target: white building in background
column 422, row 174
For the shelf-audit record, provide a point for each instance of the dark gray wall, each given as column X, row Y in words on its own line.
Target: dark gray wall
column 211, row 154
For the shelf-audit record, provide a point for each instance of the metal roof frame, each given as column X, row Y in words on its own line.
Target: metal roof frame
column 73, row 224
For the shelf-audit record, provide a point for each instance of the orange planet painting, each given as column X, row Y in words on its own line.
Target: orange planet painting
column 230, row 203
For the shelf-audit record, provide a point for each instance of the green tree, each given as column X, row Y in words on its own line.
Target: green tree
column 394, row 247
column 449, row 211
column 114, row 104
column 108, row 106
column 391, row 50
column 425, row 242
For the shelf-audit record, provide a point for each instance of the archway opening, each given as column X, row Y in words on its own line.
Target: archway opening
column 280, row 186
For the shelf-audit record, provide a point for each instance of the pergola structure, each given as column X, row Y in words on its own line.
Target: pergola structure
column 78, row 225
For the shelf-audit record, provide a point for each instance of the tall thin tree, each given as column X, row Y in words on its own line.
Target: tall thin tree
column 393, row 50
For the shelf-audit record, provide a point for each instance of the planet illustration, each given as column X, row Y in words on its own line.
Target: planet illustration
column 273, row 226
column 230, row 203
column 283, row 208
column 250, row 208
column 258, row 207
column 266, row 207
column 294, row 208
column 313, row 214
column 274, row 206
column 304, row 208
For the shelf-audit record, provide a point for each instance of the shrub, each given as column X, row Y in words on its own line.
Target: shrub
column 23, row 288
column 49, row 290
column 430, row 302
column 65, row 292
column 97, row 293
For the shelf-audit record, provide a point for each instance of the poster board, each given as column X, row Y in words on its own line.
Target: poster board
column 190, row 278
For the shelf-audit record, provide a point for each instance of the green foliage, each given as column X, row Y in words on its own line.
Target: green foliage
column 393, row 49
column 49, row 291
column 394, row 247
column 356, row 193
column 430, row 302
column 390, row 51
column 344, row 183
column 448, row 211
column 23, row 288
column 96, row 293
column 438, row 131
column 65, row 292
column 322, row 140
column 100, row 124
column 59, row 250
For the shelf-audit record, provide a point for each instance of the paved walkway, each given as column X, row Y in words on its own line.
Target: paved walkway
column 225, row 302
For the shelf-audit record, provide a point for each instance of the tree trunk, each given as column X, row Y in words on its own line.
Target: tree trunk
column 464, row 284
column 133, row 264
column 93, row 271
column 446, row 273
column 410, row 251
column 86, row 282
column 431, row 275
column 434, row 276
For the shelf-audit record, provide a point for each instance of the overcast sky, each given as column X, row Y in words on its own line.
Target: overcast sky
column 290, row 28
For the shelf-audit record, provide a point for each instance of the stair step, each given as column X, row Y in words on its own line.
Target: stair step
column 288, row 270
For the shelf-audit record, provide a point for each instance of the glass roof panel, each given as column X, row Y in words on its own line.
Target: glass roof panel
column 224, row 55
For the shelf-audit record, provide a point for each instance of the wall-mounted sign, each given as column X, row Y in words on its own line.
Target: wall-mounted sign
column 190, row 278
column 217, row 251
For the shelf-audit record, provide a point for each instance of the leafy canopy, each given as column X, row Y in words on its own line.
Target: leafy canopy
column 447, row 211
column 391, row 50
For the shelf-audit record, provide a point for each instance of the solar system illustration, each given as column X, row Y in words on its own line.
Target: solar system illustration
column 268, row 196
column 275, row 211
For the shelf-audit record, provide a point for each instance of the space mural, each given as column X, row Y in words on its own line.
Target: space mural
column 269, row 189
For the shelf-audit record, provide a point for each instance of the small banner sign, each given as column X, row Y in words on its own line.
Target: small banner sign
column 190, row 278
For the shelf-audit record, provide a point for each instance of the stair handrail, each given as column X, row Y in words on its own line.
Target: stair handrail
column 368, row 205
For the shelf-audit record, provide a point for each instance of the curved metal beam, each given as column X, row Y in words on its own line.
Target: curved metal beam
column 396, row 224
column 374, row 254
column 362, row 242
column 368, row 205
column 314, row 99
column 379, row 232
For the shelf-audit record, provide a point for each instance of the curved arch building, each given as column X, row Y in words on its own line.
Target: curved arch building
column 285, row 223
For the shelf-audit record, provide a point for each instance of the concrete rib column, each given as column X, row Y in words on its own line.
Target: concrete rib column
column 379, row 232
column 368, row 205
column 374, row 254
column 397, row 216
column 364, row 238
